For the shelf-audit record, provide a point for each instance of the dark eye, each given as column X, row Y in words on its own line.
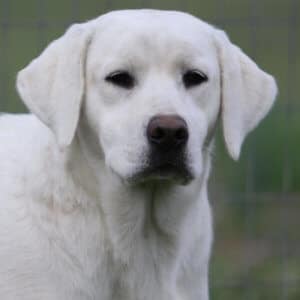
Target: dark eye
column 121, row 78
column 193, row 77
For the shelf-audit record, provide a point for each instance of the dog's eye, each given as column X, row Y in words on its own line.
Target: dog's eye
column 121, row 78
column 193, row 77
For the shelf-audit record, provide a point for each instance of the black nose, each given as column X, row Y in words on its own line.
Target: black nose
column 167, row 131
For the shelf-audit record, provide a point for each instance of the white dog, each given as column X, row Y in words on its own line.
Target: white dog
column 103, row 189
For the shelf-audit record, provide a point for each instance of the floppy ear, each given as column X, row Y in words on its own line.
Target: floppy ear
column 52, row 85
column 247, row 93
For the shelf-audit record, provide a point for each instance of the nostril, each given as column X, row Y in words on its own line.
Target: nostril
column 157, row 134
column 181, row 135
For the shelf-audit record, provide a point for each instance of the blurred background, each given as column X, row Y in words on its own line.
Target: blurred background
column 256, row 202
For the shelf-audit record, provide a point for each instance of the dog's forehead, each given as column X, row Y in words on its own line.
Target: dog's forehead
column 152, row 18
column 164, row 29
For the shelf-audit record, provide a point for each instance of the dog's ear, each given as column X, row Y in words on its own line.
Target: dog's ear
column 247, row 93
column 52, row 85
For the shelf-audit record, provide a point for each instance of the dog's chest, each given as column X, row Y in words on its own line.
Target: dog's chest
column 149, row 273
column 87, row 265
column 145, row 271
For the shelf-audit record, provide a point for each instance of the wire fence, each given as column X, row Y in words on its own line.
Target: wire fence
column 256, row 202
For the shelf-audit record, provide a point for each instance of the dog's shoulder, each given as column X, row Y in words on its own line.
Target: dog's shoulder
column 20, row 130
column 23, row 144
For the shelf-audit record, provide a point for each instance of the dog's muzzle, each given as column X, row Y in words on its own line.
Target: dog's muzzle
column 167, row 137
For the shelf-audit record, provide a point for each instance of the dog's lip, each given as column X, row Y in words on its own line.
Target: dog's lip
column 163, row 172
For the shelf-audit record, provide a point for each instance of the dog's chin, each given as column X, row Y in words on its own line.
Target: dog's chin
column 164, row 173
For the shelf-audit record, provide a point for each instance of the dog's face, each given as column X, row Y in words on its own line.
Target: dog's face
column 151, row 85
column 154, row 97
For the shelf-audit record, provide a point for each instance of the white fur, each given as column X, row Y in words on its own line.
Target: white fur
column 72, row 225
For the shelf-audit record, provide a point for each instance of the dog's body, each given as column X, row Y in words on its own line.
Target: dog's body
column 58, row 242
column 111, row 202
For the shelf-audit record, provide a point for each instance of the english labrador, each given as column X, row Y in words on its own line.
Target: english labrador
column 103, row 188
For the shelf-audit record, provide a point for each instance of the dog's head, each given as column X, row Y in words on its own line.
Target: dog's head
column 151, row 85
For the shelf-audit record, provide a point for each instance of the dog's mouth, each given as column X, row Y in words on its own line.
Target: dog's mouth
column 167, row 169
